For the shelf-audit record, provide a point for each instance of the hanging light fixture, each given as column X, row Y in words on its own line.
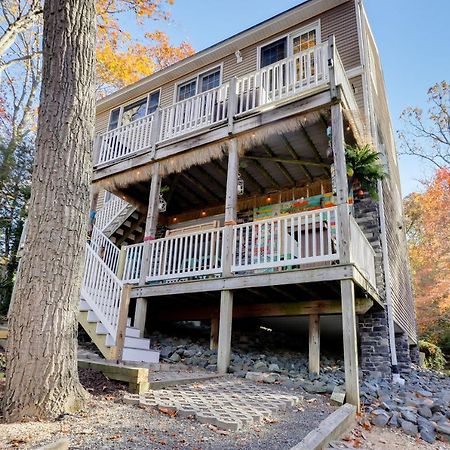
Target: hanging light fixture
column 240, row 184
column 162, row 206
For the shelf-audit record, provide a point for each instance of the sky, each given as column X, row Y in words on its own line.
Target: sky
column 413, row 38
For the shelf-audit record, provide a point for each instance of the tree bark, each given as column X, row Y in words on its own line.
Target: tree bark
column 41, row 374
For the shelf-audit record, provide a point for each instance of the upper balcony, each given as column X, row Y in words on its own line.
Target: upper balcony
column 227, row 108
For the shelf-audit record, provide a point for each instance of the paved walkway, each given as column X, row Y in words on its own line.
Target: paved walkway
column 226, row 404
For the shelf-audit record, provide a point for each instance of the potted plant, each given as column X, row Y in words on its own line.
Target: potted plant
column 364, row 168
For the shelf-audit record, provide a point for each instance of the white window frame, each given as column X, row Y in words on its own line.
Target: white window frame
column 197, row 81
column 122, row 107
column 290, row 37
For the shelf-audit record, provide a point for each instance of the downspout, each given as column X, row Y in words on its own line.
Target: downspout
column 387, row 282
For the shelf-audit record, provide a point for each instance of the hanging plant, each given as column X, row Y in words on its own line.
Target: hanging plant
column 364, row 166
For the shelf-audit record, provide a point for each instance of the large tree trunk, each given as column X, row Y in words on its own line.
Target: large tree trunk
column 41, row 373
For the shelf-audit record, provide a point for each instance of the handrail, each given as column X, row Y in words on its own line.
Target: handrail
column 105, row 249
column 110, row 210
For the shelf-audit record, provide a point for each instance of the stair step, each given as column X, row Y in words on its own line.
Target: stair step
column 137, row 342
column 101, row 329
column 128, row 321
column 139, row 355
column 92, row 317
column 132, row 332
column 84, row 306
column 110, row 341
column 135, row 215
column 127, row 224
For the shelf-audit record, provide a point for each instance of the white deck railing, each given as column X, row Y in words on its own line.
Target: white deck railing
column 102, row 290
column 293, row 240
column 133, row 260
column 110, row 210
column 361, row 252
column 194, row 113
column 188, row 255
column 286, row 78
column 125, row 140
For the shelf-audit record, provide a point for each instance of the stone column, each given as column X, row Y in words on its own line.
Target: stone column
column 414, row 354
column 403, row 355
column 374, row 344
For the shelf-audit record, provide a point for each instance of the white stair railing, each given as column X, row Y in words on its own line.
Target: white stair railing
column 110, row 210
column 285, row 78
column 307, row 237
column 105, row 249
column 126, row 139
column 102, row 290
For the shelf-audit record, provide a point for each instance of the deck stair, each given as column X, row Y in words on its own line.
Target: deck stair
column 101, row 295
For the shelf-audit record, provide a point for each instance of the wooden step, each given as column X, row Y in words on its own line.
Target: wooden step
column 139, row 355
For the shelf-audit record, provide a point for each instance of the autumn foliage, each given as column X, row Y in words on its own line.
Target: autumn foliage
column 428, row 229
column 123, row 58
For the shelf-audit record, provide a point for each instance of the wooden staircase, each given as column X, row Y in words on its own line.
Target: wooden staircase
column 102, row 290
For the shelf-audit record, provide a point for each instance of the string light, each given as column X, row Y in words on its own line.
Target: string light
column 174, row 219
column 203, row 213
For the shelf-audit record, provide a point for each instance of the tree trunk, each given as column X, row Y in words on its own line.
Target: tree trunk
column 41, row 374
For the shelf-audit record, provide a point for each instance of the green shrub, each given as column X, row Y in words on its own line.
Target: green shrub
column 434, row 358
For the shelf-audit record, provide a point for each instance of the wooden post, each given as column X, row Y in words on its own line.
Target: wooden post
column 122, row 321
column 140, row 315
column 121, row 262
column 230, row 206
column 314, row 344
column 96, row 149
column 152, row 220
column 156, row 128
column 232, row 103
column 331, row 66
column 226, row 318
column 347, row 287
column 214, row 334
column 350, row 342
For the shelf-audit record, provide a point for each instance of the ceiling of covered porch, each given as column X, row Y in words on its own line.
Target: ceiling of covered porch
column 277, row 159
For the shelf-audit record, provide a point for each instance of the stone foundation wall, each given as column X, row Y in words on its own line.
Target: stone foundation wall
column 375, row 355
column 414, row 354
column 403, row 355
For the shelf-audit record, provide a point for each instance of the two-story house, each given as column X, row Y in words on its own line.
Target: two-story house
column 221, row 192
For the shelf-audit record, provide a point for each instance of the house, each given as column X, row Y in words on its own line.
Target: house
column 220, row 192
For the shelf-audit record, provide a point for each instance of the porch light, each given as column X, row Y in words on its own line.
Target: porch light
column 240, row 185
column 269, row 199
column 174, row 219
column 203, row 213
column 162, row 206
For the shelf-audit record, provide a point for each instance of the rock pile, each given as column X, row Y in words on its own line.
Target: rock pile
column 420, row 408
column 276, row 364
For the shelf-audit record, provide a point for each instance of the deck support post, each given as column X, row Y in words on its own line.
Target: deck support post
column 230, row 206
column 226, row 318
column 214, row 334
column 152, row 220
column 350, row 342
column 140, row 315
column 314, row 344
column 347, row 286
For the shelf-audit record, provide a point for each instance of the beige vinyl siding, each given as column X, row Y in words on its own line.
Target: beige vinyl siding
column 340, row 21
column 401, row 287
column 358, row 92
column 101, row 122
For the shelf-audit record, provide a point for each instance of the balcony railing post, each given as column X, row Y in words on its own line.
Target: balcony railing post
column 232, row 103
column 155, row 133
column 332, row 66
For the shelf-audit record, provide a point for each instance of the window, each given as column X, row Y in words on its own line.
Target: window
column 202, row 83
column 114, row 119
column 129, row 113
column 134, row 111
column 273, row 52
column 299, row 41
column 210, row 80
column 304, row 41
column 153, row 102
column 186, row 90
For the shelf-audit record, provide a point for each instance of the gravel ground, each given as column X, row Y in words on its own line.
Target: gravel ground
column 107, row 423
